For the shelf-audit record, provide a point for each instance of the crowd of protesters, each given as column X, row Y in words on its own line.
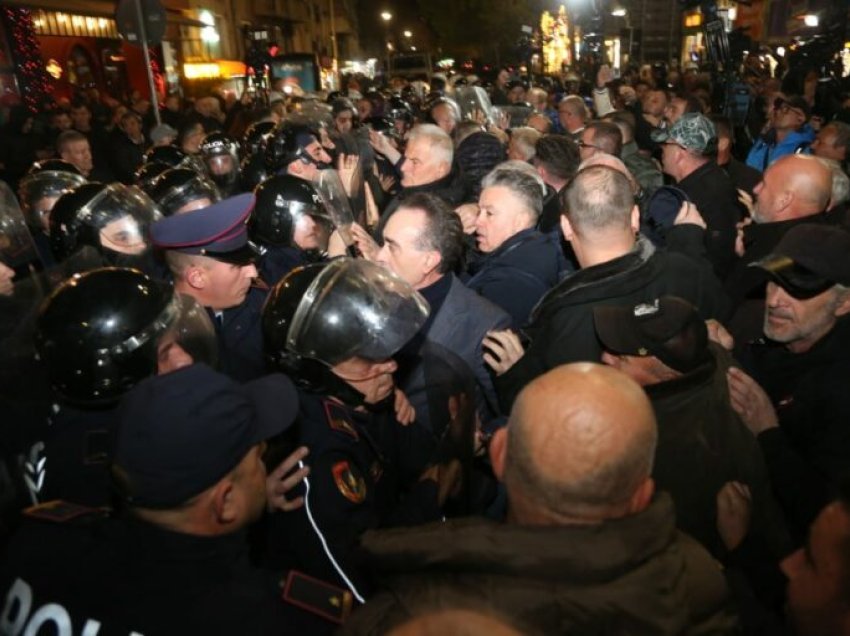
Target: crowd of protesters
column 551, row 355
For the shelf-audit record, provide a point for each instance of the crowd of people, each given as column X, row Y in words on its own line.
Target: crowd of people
column 460, row 358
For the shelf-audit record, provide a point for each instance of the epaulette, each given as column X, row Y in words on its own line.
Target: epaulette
column 59, row 511
column 318, row 597
column 339, row 419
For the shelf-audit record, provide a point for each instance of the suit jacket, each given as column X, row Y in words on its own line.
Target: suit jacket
column 459, row 326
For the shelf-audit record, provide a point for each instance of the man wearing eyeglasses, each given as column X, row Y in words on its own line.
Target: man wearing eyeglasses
column 789, row 133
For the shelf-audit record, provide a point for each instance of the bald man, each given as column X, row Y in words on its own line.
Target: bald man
column 587, row 543
column 795, row 189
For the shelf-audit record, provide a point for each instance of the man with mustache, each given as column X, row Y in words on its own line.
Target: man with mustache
column 801, row 414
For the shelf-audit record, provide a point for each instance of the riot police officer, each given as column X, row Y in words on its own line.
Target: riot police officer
column 180, row 190
column 334, row 328
column 96, row 336
column 103, row 224
column 285, row 224
column 253, row 170
column 296, row 149
column 220, row 155
column 39, row 190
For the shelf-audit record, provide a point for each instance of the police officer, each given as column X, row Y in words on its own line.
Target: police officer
column 174, row 157
column 253, row 170
column 181, row 190
column 220, row 155
column 39, row 190
column 189, row 473
column 103, row 224
column 210, row 259
column 147, row 174
column 97, row 335
column 295, row 148
column 334, row 328
column 289, row 223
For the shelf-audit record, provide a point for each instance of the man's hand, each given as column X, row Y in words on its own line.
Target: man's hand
column 404, row 412
column 381, row 144
column 734, row 508
column 603, row 76
column 364, row 242
column 468, row 213
column 689, row 215
column 347, row 166
column 740, row 248
column 6, row 284
column 502, row 350
column 718, row 333
column 373, row 215
column 747, row 201
column 278, row 483
column 750, row 402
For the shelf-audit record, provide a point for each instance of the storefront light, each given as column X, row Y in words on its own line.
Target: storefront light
column 201, row 70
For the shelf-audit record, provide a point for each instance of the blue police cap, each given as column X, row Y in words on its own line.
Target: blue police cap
column 218, row 231
column 181, row 432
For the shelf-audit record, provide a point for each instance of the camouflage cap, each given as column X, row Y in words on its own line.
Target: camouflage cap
column 693, row 131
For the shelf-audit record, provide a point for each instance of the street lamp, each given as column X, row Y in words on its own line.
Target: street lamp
column 386, row 16
column 408, row 34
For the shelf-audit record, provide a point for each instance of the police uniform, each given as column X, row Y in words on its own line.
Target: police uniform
column 178, row 436
column 278, row 261
column 219, row 232
column 352, row 487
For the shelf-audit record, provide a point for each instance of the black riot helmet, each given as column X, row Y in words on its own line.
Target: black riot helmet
column 220, row 155
column 398, row 108
column 100, row 332
column 172, row 155
column 43, row 184
column 288, row 143
column 283, row 204
column 182, row 190
column 323, row 314
column 114, row 219
column 253, row 171
column 256, row 137
column 148, row 173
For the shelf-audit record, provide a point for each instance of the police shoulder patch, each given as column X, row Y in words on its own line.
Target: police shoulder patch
column 340, row 420
column 349, row 481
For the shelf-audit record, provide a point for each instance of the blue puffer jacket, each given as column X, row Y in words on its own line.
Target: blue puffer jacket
column 766, row 150
column 517, row 274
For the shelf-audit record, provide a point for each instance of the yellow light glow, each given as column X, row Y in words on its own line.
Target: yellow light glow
column 201, row 70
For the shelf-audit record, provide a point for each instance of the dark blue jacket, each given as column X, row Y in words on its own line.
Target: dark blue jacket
column 517, row 274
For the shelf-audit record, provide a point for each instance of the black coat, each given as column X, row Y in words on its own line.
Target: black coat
column 808, row 455
column 561, row 328
column 517, row 274
column 717, row 200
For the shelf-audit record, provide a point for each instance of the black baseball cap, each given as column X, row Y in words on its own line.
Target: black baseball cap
column 181, row 432
column 809, row 259
column 668, row 328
